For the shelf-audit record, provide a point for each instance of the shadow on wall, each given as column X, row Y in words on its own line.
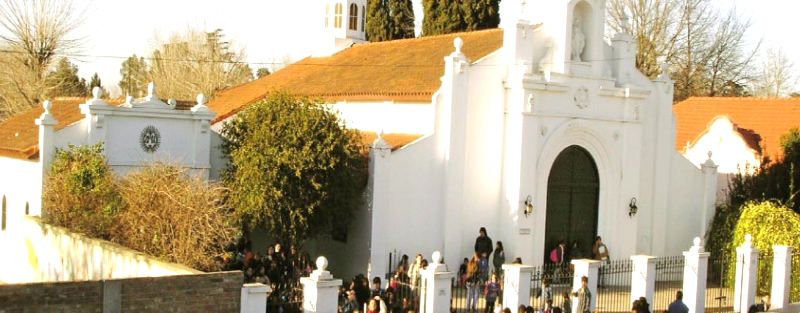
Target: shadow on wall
column 38, row 252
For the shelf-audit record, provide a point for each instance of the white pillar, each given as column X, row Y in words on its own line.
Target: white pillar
column 695, row 271
column 254, row 298
column 379, row 159
column 643, row 277
column 588, row 268
column 320, row 290
column 517, row 285
column 781, row 271
column 436, row 287
column 746, row 266
column 47, row 124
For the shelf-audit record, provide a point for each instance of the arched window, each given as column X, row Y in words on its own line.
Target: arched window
column 27, row 208
column 337, row 16
column 3, row 226
column 353, row 22
column 363, row 18
column 327, row 12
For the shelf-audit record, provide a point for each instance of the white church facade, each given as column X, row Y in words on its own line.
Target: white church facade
column 539, row 131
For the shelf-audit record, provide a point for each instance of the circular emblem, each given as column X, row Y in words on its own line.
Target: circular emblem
column 581, row 97
column 150, row 139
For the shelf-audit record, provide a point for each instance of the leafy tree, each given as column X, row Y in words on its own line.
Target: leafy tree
column 294, row 168
column 379, row 25
column 402, row 19
column 262, row 72
column 450, row 16
column 195, row 61
column 481, row 14
column 430, row 18
column 134, row 77
column 66, row 80
column 80, row 191
column 95, row 82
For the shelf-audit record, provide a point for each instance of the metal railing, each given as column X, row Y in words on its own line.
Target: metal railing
column 285, row 298
column 559, row 279
column 719, row 283
column 668, row 281
column 614, row 286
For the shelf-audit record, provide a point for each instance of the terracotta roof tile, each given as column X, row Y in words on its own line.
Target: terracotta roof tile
column 761, row 121
column 19, row 135
column 407, row 69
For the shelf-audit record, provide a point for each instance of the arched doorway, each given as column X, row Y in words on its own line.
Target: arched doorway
column 572, row 195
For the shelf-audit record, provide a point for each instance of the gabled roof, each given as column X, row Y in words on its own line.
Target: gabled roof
column 400, row 70
column 19, row 135
column 760, row 121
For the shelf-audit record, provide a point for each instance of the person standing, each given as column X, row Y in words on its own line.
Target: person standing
column 483, row 244
column 492, row 291
column 498, row 258
column 546, row 293
column 473, row 282
column 584, row 296
column 600, row 253
column 678, row 306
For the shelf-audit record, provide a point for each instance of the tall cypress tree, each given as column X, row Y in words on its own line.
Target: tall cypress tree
column 481, row 14
column 402, row 18
column 379, row 25
column 430, row 19
column 449, row 16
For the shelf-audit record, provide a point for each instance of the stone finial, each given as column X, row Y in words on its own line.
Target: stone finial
column 436, row 257
column 97, row 92
column 201, row 104
column 322, row 263
column 201, row 99
column 625, row 23
column 458, row 43
column 151, row 91
column 521, row 7
column 172, row 102
column 710, row 154
column 696, row 241
column 748, row 239
column 47, row 105
column 129, row 100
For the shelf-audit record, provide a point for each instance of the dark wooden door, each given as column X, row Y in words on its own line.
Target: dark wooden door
column 572, row 193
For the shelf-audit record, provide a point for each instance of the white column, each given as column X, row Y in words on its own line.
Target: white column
column 436, row 288
column 320, row 290
column 379, row 159
column 516, row 285
column 746, row 266
column 588, row 268
column 781, row 271
column 254, row 298
column 695, row 271
column 643, row 277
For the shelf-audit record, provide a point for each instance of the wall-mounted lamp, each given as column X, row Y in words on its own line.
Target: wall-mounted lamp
column 528, row 206
column 633, row 207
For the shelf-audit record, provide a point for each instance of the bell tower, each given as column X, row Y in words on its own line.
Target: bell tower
column 343, row 24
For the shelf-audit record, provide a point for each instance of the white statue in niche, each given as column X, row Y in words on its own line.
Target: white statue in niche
column 578, row 40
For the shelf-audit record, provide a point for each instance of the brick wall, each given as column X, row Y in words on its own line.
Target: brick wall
column 213, row 292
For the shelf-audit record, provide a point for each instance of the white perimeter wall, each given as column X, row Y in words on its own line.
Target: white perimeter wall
column 685, row 215
column 37, row 252
column 20, row 183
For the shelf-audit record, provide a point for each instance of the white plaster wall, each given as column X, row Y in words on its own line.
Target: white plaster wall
column 20, row 183
column 729, row 150
column 38, row 252
column 74, row 134
column 389, row 117
column 684, row 221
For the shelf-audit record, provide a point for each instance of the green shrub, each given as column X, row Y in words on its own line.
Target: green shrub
column 769, row 224
column 80, row 192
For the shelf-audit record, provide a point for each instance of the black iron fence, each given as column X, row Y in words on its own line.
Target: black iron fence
column 614, row 286
column 668, row 281
column 794, row 280
column 719, row 283
column 551, row 281
column 403, row 293
column 470, row 295
column 285, row 297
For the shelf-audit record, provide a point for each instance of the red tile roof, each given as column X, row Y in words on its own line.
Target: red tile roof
column 19, row 135
column 401, row 70
column 761, row 121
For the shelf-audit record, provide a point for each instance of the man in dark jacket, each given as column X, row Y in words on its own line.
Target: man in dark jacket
column 483, row 244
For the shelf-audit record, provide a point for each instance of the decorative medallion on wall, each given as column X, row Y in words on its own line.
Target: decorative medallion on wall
column 581, row 97
column 150, row 139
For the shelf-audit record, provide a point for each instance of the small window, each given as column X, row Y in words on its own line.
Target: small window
column 3, row 226
column 327, row 12
column 337, row 16
column 27, row 208
column 363, row 18
column 353, row 22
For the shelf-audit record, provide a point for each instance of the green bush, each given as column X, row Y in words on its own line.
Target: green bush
column 769, row 224
column 80, row 192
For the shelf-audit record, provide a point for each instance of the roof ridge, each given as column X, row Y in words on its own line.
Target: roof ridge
column 732, row 98
column 421, row 38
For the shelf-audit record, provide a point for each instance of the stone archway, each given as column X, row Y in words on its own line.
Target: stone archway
column 572, row 200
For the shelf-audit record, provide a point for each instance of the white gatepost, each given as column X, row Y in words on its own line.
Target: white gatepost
column 695, row 271
column 320, row 290
column 516, row 285
column 643, row 277
column 746, row 265
column 436, row 287
column 781, row 271
column 588, row 268
column 254, row 298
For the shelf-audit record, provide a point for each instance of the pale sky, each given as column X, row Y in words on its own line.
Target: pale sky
column 270, row 28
